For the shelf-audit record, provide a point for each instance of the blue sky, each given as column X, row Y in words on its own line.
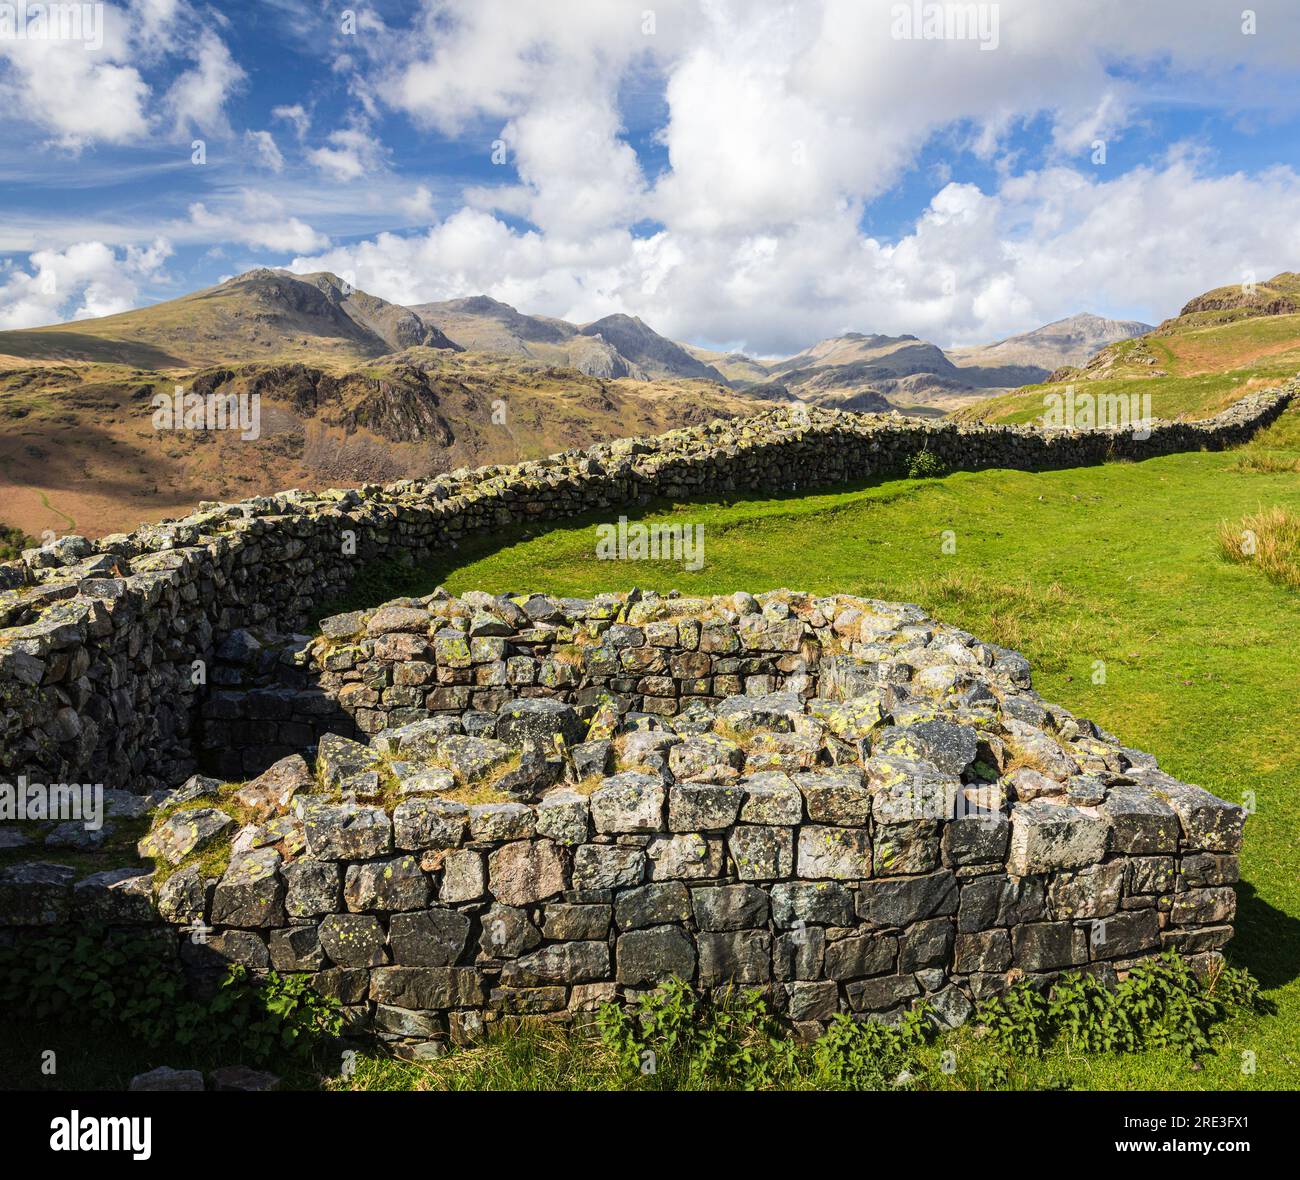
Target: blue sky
column 752, row 175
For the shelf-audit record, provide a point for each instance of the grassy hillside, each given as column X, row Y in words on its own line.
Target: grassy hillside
column 78, row 450
column 261, row 314
column 1118, row 563
column 1223, row 344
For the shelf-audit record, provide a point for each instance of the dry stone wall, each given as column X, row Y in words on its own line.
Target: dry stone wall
column 839, row 801
column 99, row 640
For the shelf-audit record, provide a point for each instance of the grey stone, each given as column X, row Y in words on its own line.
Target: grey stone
column 464, row 876
column 628, row 802
column 507, row 932
column 952, row 748
column 353, row 940
column 526, row 871
column 729, row 907
column 607, row 866
column 652, row 905
column 501, row 821
column 862, row 954
column 429, row 823
column 297, row 948
column 251, row 892
column 647, row 957
column 183, row 833
column 576, row 923
column 771, row 798
column 345, row 831
column 1044, row 946
column 1047, row 836
column 740, row 957
column 537, row 722
column 435, row 937
column 825, row 903
column 836, row 796
column 565, row 962
column 882, row 993
column 115, row 897
column 703, row 807
column 313, row 887
column 836, row 853
column 166, row 1079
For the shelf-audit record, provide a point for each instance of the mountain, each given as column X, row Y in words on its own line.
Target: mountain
column 644, row 348
column 263, row 313
column 1221, row 345
column 737, row 367
column 79, row 452
column 350, row 388
column 615, row 346
column 864, row 371
column 1070, row 341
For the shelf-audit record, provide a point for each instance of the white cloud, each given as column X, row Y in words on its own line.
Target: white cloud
column 198, row 97
column 83, row 92
column 353, row 153
column 77, row 94
column 264, row 148
column 86, row 279
column 419, row 205
column 783, row 123
column 975, row 267
column 294, row 115
column 779, row 124
column 257, row 219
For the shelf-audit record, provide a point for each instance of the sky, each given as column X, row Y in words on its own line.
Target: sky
column 741, row 174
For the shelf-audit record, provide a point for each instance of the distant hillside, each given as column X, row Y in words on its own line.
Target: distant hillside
column 260, row 314
column 736, row 367
column 78, row 451
column 616, row 346
column 652, row 354
column 1221, row 345
column 1070, row 341
column 352, row 389
column 870, row 371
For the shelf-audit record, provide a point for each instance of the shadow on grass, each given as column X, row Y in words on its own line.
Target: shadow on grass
column 1267, row 940
column 382, row 579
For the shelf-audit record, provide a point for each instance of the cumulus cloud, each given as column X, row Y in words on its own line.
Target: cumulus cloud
column 87, row 279
column 762, row 134
column 198, row 98
column 782, row 124
column 258, row 219
column 87, row 89
column 975, row 267
column 77, row 94
column 352, row 152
